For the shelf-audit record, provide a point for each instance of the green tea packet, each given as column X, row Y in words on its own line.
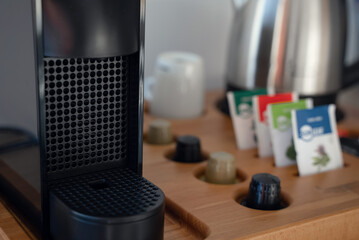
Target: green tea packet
column 316, row 140
column 240, row 106
column 260, row 109
column 280, row 126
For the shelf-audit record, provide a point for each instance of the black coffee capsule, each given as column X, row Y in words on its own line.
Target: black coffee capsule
column 188, row 149
column 264, row 192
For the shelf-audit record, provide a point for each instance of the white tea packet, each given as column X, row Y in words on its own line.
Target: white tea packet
column 316, row 140
column 280, row 126
column 240, row 106
column 260, row 104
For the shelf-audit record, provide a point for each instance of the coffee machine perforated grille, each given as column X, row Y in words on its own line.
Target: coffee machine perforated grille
column 86, row 103
column 111, row 193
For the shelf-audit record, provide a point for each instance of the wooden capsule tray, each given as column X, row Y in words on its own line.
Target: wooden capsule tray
column 322, row 206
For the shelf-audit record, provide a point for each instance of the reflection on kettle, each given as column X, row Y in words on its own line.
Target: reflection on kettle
column 291, row 45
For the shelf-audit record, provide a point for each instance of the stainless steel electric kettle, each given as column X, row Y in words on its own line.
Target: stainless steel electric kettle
column 291, row 45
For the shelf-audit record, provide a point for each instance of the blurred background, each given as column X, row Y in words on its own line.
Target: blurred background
column 198, row 26
column 218, row 30
column 204, row 27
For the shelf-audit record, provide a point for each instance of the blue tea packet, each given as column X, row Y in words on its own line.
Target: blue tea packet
column 316, row 140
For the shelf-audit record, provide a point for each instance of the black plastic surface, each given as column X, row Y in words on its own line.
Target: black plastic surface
column 264, row 192
column 87, row 106
column 107, row 205
column 89, row 76
column 188, row 149
column 91, row 118
column 90, row 29
column 110, row 193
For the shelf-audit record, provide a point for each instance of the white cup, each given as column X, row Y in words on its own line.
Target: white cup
column 177, row 89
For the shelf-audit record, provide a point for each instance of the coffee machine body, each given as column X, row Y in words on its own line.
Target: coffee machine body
column 74, row 138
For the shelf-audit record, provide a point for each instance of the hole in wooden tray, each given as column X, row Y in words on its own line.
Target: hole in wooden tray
column 199, row 173
column 345, row 165
column 170, row 155
column 174, row 139
column 241, row 198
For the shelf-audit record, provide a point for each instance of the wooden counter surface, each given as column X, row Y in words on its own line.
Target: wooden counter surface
column 9, row 226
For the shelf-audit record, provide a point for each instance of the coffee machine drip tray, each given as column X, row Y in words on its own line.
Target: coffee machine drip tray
column 112, row 204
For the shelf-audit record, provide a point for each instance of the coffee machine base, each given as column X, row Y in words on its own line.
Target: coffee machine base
column 116, row 204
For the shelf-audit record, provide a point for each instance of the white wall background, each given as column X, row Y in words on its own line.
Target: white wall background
column 199, row 26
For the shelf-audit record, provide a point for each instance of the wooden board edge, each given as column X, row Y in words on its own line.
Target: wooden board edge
column 341, row 225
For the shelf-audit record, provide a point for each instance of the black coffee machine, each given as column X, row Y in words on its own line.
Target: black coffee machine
column 71, row 131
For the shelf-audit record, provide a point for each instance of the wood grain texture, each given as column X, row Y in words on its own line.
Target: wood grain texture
column 3, row 235
column 10, row 228
column 322, row 206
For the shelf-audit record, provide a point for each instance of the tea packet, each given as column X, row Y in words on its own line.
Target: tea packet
column 260, row 104
column 280, row 127
column 316, row 140
column 240, row 106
